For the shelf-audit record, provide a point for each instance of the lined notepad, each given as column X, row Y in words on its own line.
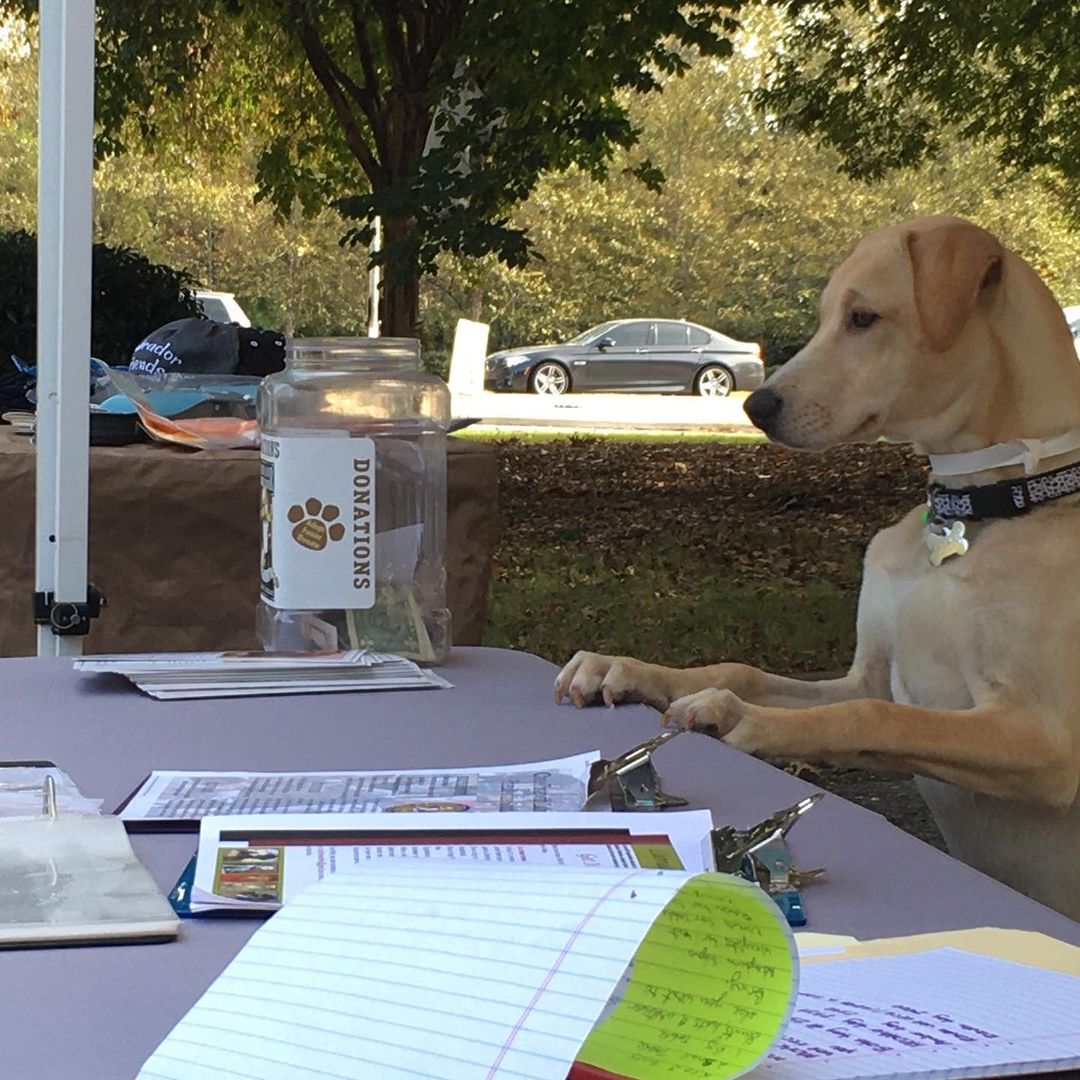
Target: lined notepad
column 466, row 974
column 461, row 973
column 945, row 1013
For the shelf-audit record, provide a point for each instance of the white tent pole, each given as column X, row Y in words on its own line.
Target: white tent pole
column 374, row 276
column 65, row 235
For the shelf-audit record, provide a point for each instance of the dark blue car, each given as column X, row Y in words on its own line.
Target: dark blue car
column 661, row 356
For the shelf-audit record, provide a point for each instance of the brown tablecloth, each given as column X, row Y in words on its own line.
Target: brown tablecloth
column 174, row 545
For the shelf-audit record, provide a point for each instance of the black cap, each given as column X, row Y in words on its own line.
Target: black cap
column 203, row 346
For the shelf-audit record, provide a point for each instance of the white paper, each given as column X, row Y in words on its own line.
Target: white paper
column 260, row 872
column 416, row 679
column 321, row 535
column 443, row 973
column 559, row 784
column 944, row 1013
column 168, row 676
column 183, row 664
column 398, row 554
column 812, row 944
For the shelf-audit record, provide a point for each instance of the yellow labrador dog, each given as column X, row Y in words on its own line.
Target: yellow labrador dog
column 966, row 670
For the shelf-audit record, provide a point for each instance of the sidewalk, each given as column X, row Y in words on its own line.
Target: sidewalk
column 604, row 412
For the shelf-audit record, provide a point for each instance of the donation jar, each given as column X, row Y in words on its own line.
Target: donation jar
column 353, row 501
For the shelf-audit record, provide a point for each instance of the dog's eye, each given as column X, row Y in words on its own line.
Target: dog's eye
column 860, row 319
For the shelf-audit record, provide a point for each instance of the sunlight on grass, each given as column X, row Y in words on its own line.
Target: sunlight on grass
column 671, row 610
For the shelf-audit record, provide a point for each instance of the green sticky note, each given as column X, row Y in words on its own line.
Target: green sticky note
column 710, row 989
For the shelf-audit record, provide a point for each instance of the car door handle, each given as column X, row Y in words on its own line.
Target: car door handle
column 641, row 350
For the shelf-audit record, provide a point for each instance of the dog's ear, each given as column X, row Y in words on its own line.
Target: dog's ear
column 950, row 266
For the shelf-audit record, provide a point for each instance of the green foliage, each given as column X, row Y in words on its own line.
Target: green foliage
column 525, row 88
column 751, row 221
column 131, row 297
column 289, row 273
column 191, row 203
column 890, row 83
column 439, row 116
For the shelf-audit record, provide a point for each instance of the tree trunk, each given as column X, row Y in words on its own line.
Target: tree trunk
column 400, row 306
column 400, row 302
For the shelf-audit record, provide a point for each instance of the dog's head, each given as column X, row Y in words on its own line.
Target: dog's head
column 916, row 330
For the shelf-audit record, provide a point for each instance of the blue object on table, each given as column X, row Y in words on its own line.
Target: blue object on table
column 770, row 866
column 163, row 402
column 180, row 896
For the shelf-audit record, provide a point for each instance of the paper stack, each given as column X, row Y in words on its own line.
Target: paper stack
column 169, row 676
column 253, row 864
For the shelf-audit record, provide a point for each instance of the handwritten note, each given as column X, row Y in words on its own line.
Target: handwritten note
column 478, row 973
column 710, row 988
column 933, row 1014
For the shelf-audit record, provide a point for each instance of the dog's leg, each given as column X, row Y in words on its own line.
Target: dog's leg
column 998, row 747
column 590, row 677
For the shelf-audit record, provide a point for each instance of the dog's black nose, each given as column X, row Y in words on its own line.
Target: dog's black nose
column 763, row 406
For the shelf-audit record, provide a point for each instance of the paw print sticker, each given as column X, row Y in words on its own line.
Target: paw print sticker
column 315, row 525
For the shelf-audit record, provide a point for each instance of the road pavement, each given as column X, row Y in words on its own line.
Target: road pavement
column 605, row 412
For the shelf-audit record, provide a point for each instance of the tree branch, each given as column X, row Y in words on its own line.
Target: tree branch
column 397, row 50
column 369, row 96
column 328, row 73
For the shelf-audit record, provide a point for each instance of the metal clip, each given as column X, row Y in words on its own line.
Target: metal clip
column 631, row 778
column 731, row 844
column 760, row 854
column 771, row 867
column 48, row 797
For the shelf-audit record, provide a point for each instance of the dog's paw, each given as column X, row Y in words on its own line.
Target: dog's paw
column 724, row 715
column 591, row 677
column 715, row 712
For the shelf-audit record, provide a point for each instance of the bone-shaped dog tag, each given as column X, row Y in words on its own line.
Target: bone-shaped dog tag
column 950, row 541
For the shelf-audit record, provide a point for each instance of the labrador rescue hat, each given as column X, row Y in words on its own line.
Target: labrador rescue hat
column 201, row 346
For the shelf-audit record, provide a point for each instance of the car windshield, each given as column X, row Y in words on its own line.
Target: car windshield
column 589, row 334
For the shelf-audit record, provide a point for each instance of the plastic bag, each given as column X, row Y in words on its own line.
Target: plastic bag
column 202, row 411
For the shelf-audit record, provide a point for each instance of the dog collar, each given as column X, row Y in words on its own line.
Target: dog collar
column 1005, row 499
column 1026, row 452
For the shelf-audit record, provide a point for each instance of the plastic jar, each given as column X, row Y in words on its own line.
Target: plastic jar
column 353, row 502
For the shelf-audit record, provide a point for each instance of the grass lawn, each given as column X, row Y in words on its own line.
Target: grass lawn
column 668, row 602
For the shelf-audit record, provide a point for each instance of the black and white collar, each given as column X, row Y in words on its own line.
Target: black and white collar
column 949, row 508
column 1005, row 498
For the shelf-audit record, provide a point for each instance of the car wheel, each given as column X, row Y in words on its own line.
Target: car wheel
column 714, row 381
column 549, row 378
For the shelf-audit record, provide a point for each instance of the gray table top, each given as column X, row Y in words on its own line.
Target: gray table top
column 96, row 1013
